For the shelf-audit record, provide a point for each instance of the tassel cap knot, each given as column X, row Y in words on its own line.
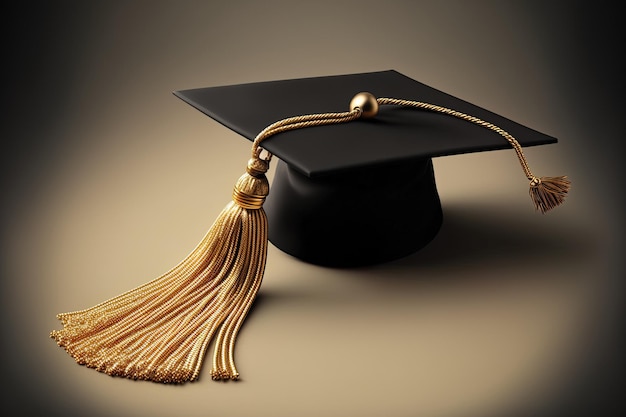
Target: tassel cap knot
column 257, row 167
column 534, row 182
column 252, row 187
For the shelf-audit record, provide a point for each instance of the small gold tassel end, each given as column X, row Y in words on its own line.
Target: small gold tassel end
column 548, row 192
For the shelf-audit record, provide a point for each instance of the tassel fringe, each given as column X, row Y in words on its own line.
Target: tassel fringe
column 548, row 192
column 161, row 330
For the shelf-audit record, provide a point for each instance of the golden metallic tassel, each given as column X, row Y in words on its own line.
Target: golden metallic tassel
column 548, row 192
column 160, row 331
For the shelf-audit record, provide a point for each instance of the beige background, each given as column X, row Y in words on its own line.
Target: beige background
column 109, row 180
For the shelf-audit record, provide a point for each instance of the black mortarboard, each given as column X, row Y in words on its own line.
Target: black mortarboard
column 337, row 187
column 341, row 178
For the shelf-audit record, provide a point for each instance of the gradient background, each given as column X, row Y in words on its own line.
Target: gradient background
column 108, row 180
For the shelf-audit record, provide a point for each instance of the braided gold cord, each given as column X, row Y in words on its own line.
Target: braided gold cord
column 304, row 121
column 432, row 107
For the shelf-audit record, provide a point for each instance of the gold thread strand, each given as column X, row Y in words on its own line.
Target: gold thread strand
column 304, row 121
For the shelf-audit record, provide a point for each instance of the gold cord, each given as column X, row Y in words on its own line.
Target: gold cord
column 300, row 122
column 432, row 107
column 546, row 192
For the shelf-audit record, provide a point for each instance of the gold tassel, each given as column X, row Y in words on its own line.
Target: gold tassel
column 161, row 330
column 548, row 192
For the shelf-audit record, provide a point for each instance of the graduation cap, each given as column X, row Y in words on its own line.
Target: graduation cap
column 352, row 150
